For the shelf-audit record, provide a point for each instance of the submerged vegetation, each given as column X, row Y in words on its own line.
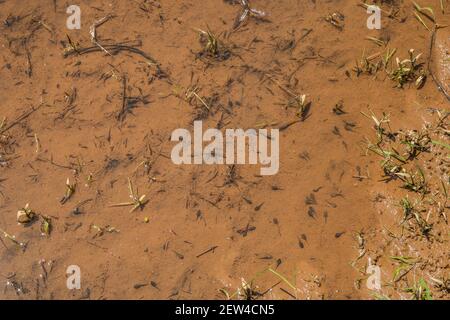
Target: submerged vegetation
column 404, row 71
column 406, row 157
column 102, row 121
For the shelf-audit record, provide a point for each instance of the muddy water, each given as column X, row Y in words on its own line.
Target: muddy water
column 301, row 222
column 441, row 57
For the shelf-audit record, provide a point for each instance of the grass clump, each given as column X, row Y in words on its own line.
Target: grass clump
column 408, row 70
column 420, row 290
column 405, row 71
column 212, row 47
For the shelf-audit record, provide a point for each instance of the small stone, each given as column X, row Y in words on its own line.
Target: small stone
column 25, row 215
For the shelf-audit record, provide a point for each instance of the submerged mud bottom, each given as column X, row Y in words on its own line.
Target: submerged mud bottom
column 235, row 148
column 355, row 206
column 440, row 60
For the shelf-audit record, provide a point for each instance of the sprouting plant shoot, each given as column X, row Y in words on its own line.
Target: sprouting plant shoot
column 426, row 12
column 408, row 70
column 413, row 181
column 99, row 231
column 381, row 125
column 420, row 291
column 209, row 41
column 136, row 200
column 212, row 46
column 46, row 225
column 301, row 104
column 70, row 190
column 248, row 290
column 416, row 143
column 405, row 265
column 192, row 92
column 408, row 208
column 190, row 95
column 336, row 19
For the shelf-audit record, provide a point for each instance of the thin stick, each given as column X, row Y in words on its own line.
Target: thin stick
column 93, row 32
column 113, row 47
column 121, row 115
column 283, row 278
column 207, row 251
column 20, row 119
